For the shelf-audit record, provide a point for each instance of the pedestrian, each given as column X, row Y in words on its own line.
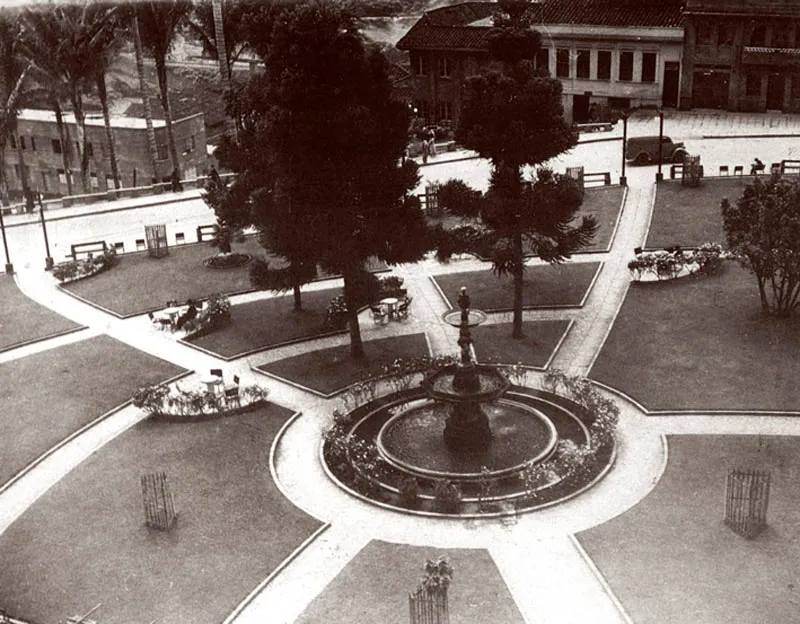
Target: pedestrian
column 756, row 167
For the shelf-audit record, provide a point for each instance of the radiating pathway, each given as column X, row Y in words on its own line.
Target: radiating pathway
column 547, row 573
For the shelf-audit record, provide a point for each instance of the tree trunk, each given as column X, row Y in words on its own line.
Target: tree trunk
column 222, row 50
column 112, row 152
column 145, row 95
column 3, row 177
column 356, row 346
column 63, row 137
column 80, row 124
column 298, row 301
column 161, row 71
column 27, row 197
column 519, row 275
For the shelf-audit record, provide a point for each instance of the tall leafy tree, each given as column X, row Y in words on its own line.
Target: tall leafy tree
column 158, row 25
column 514, row 117
column 335, row 141
column 763, row 232
column 14, row 69
column 144, row 92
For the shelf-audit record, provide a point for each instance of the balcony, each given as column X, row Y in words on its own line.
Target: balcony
column 782, row 57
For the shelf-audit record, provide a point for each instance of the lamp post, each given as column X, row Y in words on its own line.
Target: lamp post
column 623, row 181
column 659, row 175
column 9, row 266
column 48, row 261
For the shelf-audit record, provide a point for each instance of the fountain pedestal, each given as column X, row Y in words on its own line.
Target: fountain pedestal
column 467, row 429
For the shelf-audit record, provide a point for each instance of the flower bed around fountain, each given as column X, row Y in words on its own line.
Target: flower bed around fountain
column 565, row 437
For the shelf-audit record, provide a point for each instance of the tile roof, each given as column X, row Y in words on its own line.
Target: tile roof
column 466, row 26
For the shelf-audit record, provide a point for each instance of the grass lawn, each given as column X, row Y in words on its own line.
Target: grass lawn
column 47, row 396
column 139, row 283
column 671, row 558
column 605, row 203
column 268, row 322
column 329, row 370
column 374, row 587
column 702, row 343
column 23, row 320
column 690, row 216
column 493, row 343
column 85, row 542
column 545, row 286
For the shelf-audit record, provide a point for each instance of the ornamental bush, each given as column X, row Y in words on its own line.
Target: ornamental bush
column 668, row 264
column 77, row 269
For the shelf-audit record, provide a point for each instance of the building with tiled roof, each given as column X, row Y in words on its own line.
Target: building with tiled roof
column 617, row 54
column 609, row 54
column 742, row 55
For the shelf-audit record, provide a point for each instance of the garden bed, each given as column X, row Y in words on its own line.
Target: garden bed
column 24, row 321
column 690, row 216
column 561, row 285
column 494, row 344
column 234, row 528
column 702, row 345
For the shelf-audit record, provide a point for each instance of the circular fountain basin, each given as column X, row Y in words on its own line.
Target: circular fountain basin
column 412, row 441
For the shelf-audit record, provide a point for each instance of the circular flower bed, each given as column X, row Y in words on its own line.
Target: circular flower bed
column 227, row 261
column 585, row 423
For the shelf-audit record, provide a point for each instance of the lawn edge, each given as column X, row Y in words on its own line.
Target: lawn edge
column 601, row 579
column 294, row 384
column 608, row 331
column 650, row 219
column 278, row 570
column 616, row 224
column 554, row 352
column 693, row 411
column 75, row 434
column 31, row 341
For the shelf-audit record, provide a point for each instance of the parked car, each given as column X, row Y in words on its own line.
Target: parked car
column 644, row 150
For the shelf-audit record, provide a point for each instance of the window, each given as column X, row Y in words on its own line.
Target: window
column 56, row 146
column 93, row 181
column 583, row 63
column 604, row 65
column 188, row 145
column 782, row 35
column 13, row 141
column 109, row 181
column 22, row 141
column 180, row 238
column 543, row 60
column 421, row 108
column 562, row 63
column 119, row 247
column 705, row 33
column 444, row 67
column 420, row 64
column 445, row 110
column 33, row 143
column 140, row 244
column 626, row 65
column 89, row 150
column 649, row 67
column 758, row 37
column 752, row 84
column 62, row 176
column 162, row 151
column 726, row 34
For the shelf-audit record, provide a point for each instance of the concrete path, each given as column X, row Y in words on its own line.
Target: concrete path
column 547, row 573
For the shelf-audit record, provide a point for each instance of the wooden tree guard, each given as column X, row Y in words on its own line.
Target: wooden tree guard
column 156, row 235
column 746, row 501
column 428, row 605
column 690, row 175
column 159, row 508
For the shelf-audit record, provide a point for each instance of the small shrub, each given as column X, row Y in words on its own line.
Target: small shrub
column 447, row 495
column 409, row 493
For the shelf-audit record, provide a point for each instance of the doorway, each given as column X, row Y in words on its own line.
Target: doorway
column 710, row 89
column 580, row 108
column 669, row 95
column 775, row 84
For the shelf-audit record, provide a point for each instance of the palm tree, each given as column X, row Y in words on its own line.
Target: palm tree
column 13, row 72
column 158, row 23
column 61, row 41
column 144, row 93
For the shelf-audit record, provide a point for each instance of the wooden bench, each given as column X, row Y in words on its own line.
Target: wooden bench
column 598, row 178
column 205, row 232
column 87, row 249
column 598, row 126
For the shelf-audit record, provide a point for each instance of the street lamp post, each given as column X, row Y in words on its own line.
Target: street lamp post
column 9, row 266
column 48, row 261
column 659, row 175
column 623, row 181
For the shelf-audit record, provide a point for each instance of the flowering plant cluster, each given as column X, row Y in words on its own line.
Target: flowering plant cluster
column 214, row 315
column 670, row 263
column 78, row 269
column 447, row 495
column 336, row 315
column 401, row 372
column 161, row 400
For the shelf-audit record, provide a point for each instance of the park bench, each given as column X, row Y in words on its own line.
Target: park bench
column 595, row 126
column 84, row 250
column 598, row 178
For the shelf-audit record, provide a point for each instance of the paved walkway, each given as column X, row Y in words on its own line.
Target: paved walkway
column 547, row 573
